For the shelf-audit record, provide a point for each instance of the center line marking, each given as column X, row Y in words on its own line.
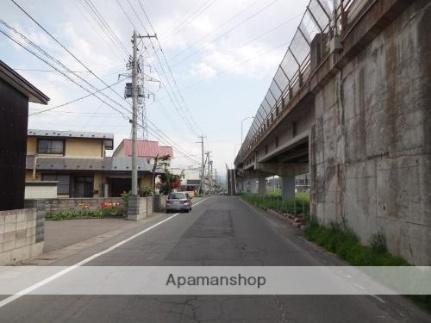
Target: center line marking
column 63, row 272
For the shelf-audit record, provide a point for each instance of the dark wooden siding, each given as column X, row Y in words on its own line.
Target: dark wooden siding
column 13, row 145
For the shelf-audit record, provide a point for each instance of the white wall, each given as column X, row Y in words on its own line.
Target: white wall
column 40, row 191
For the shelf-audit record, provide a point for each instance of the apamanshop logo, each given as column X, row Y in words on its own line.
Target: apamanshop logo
column 216, row 281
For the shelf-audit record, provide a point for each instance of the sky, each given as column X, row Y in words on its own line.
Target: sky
column 219, row 59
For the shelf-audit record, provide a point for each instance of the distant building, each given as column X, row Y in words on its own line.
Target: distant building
column 77, row 161
column 190, row 178
column 15, row 94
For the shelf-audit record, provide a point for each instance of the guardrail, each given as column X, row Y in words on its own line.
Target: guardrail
column 295, row 68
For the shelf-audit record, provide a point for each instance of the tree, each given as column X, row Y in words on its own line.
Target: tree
column 169, row 182
column 159, row 161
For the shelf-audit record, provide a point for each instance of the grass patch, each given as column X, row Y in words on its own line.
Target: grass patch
column 299, row 205
column 346, row 245
column 343, row 242
column 78, row 213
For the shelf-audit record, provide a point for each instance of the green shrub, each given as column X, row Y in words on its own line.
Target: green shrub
column 299, row 205
column 146, row 191
column 125, row 196
column 378, row 242
column 347, row 246
column 85, row 213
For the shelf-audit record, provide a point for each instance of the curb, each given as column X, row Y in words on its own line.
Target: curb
column 296, row 221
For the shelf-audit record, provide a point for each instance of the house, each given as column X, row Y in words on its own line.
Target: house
column 78, row 162
column 21, row 226
column 147, row 149
column 15, row 95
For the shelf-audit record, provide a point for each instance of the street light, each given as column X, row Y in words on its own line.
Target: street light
column 242, row 123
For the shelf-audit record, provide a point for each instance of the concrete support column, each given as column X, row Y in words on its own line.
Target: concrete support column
column 261, row 186
column 287, row 187
column 240, row 185
column 253, row 185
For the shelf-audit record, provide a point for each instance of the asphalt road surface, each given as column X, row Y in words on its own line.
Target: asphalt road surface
column 219, row 231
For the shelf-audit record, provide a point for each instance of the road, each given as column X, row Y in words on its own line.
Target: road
column 219, row 231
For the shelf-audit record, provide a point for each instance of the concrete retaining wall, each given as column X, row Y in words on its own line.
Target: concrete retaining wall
column 370, row 149
column 19, row 238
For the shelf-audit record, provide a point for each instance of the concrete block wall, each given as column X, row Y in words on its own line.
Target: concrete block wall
column 159, row 203
column 371, row 143
column 57, row 204
column 19, row 238
column 139, row 208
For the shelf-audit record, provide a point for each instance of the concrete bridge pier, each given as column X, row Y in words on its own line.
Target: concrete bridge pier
column 287, row 187
column 261, row 186
column 287, row 173
column 251, row 186
column 241, row 186
column 253, row 182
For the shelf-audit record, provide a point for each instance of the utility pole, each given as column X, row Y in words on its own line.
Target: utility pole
column 134, row 115
column 136, row 93
column 208, row 153
column 202, row 189
column 211, row 176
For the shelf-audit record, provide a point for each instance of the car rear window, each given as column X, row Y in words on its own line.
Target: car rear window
column 177, row 196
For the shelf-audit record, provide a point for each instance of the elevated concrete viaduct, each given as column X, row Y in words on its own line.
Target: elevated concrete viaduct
column 356, row 116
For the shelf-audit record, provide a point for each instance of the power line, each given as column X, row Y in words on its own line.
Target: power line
column 258, row 12
column 42, row 70
column 125, row 13
column 61, row 64
column 64, row 47
column 226, row 22
column 161, row 135
column 58, row 62
column 58, row 70
column 71, row 79
column 95, row 25
column 73, row 101
column 194, row 15
column 186, row 109
column 106, row 28
column 173, row 97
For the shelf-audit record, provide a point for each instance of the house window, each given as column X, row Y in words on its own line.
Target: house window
column 63, row 182
column 50, row 146
column 83, row 186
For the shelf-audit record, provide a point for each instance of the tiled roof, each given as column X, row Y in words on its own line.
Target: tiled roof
column 147, row 148
column 69, row 134
column 166, row 151
column 110, row 164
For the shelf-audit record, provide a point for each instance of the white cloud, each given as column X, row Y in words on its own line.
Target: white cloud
column 234, row 54
column 251, row 61
column 204, row 70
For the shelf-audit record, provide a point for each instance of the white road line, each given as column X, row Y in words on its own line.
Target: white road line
column 63, row 272
column 378, row 298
